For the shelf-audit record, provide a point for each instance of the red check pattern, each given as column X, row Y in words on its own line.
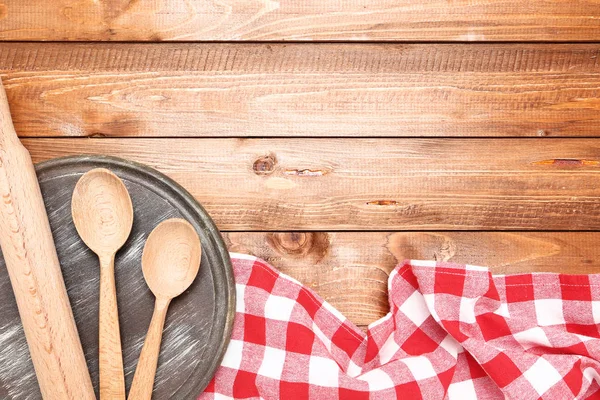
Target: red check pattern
column 453, row 332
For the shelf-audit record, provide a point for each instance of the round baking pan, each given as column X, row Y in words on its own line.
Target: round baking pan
column 199, row 322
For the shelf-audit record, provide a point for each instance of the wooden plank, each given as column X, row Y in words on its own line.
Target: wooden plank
column 373, row 184
column 62, row 89
column 478, row 20
column 350, row 269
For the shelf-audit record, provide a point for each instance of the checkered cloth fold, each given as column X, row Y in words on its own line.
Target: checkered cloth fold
column 453, row 332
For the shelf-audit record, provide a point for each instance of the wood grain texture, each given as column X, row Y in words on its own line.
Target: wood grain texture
column 35, row 274
column 158, row 20
column 372, row 184
column 124, row 90
column 350, row 269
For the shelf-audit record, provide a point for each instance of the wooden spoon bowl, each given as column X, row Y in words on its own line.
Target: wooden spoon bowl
column 102, row 211
column 171, row 258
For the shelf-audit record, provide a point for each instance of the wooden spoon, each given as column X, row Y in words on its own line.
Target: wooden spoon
column 170, row 263
column 103, row 215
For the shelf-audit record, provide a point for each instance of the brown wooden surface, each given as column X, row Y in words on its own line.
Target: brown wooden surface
column 462, row 20
column 235, row 119
column 200, row 90
column 372, row 184
column 350, row 269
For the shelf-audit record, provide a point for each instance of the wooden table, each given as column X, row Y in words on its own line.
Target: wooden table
column 334, row 139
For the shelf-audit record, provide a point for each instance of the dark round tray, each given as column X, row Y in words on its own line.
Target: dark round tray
column 199, row 322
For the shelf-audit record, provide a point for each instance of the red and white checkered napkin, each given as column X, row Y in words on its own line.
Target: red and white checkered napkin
column 453, row 332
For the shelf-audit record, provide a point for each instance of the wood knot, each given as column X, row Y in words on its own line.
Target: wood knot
column 293, row 242
column 300, row 244
column 569, row 162
column 445, row 250
column 382, row 203
column 264, row 165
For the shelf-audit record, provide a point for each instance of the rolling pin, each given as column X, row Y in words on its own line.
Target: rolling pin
column 35, row 275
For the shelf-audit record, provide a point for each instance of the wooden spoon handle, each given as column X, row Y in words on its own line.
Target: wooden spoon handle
column 143, row 380
column 112, row 377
